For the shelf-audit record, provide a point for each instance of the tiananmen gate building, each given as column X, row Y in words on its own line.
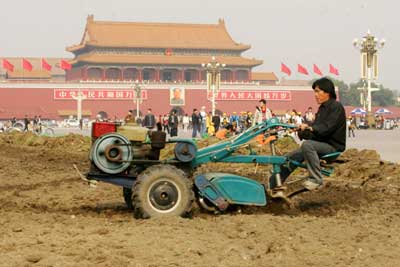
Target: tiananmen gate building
column 162, row 57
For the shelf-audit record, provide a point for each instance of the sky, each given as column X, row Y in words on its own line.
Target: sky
column 294, row 32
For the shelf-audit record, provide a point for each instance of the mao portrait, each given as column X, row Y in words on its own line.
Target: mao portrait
column 176, row 96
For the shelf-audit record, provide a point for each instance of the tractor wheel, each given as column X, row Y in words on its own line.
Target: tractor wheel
column 127, row 193
column 162, row 190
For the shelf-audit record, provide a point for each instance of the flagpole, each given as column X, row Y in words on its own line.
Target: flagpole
column 23, row 71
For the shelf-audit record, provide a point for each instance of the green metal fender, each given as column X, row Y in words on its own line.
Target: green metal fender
column 233, row 188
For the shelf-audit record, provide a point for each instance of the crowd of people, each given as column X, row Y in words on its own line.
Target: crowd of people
column 34, row 125
column 202, row 123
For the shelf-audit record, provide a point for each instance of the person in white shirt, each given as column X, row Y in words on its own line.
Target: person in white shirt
column 203, row 116
column 262, row 112
column 185, row 122
column 298, row 119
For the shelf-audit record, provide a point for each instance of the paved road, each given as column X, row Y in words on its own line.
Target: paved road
column 386, row 142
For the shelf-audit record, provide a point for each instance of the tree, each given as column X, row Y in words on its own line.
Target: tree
column 349, row 95
column 383, row 97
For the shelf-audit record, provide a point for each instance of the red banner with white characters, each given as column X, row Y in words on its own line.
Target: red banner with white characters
column 253, row 95
column 68, row 94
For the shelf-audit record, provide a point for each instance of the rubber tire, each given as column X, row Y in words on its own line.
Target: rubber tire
column 143, row 207
column 127, row 194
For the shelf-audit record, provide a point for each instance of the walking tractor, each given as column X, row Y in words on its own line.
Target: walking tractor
column 129, row 156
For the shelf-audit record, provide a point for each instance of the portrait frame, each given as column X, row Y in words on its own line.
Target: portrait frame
column 177, row 96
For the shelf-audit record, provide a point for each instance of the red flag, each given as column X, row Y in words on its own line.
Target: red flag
column 65, row 65
column 26, row 65
column 7, row 65
column 333, row 70
column 317, row 70
column 302, row 69
column 46, row 65
column 285, row 69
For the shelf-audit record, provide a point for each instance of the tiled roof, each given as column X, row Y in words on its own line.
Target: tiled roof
column 162, row 59
column 157, row 35
column 263, row 76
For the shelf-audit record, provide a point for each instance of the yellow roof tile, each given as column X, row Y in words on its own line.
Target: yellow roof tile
column 157, row 35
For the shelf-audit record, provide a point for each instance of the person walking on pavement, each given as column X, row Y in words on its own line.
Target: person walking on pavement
column 185, row 122
column 129, row 118
column 196, row 122
column 351, row 126
column 26, row 123
column 203, row 115
column 173, row 123
column 262, row 113
column 149, row 120
column 216, row 120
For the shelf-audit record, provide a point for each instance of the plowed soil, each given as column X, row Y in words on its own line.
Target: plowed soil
column 49, row 217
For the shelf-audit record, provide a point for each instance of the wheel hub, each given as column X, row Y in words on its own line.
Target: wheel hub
column 164, row 195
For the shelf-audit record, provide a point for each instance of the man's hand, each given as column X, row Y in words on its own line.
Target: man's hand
column 305, row 132
column 304, row 126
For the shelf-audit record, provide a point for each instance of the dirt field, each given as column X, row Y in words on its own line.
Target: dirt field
column 49, row 217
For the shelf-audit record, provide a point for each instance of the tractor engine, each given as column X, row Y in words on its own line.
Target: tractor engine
column 114, row 147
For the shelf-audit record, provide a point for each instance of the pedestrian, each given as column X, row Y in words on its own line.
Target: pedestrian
column 39, row 122
column 196, row 123
column 216, row 120
column 165, row 123
column 173, row 123
column 262, row 113
column 149, row 120
column 234, row 122
column 129, row 118
column 159, row 124
column 35, row 127
column 210, row 125
column 26, row 123
column 309, row 116
column 351, row 126
column 185, row 122
column 203, row 115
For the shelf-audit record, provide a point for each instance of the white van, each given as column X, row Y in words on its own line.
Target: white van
column 71, row 123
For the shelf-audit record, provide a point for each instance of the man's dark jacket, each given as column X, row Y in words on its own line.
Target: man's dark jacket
column 329, row 125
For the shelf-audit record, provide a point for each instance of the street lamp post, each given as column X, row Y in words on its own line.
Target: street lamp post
column 79, row 98
column 368, row 47
column 213, row 69
column 138, row 98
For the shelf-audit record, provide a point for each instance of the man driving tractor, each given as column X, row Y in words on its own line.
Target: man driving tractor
column 327, row 134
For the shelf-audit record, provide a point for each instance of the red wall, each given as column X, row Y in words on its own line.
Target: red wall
column 20, row 101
